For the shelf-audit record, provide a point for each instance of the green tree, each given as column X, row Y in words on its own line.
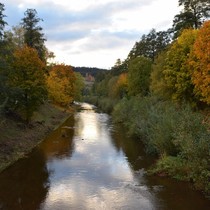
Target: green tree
column 79, row 85
column 177, row 73
column 2, row 21
column 15, row 37
column 119, row 67
column 158, row 84
column 192, row 16
column 139, row 70
column 28, row 78
column 150, row 45
column 4, row 65
column 33, row 35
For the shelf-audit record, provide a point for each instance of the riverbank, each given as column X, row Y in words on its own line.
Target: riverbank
column 17, row 139
column 178, row 135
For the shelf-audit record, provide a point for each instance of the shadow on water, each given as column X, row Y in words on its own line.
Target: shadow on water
column 171, row 194
column 25, row 185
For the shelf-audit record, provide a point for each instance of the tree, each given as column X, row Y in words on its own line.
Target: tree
column 2, row 22
column 158, row 85
column 15, row 37
column 150, row 45
column 122, row 85
column 177, row 73
column 200, row 63
column 139, row 70
column 33, row 35
column 28, row 78
column 4, row 65
column 61, row 84
column 78, row 86
column 192, row 16
column 119, row 67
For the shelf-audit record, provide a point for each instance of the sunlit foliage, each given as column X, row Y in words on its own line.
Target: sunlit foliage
column 176, row 72
column 60, row 84
column 200, row 63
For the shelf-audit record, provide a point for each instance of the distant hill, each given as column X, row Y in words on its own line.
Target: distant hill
column 88, row 70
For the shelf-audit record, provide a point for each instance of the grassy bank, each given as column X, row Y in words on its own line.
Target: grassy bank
column 17, row 139
column 177, row 134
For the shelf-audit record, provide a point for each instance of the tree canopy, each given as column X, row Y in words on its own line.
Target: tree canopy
column 28, row 78
column 139, row 70
column 194, row 13
column 33, row 35
column 200, row 63
column 2, row 21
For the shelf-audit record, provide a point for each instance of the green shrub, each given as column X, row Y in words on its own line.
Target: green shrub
column 177, row 134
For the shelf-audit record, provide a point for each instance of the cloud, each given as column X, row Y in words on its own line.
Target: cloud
column 80, row 27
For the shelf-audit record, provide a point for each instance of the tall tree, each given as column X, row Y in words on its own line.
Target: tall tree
column 2, row 22
column 28, row 78
column 15, row 37
column 4, row 66
column 177, row 74
column 192, row 16
column 139, row 70
column 150, row 45
column 200, row 63
column 33, row 35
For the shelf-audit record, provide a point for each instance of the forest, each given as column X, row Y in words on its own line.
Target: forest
column 160, row 93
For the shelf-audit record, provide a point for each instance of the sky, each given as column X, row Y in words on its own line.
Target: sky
column 94, row 33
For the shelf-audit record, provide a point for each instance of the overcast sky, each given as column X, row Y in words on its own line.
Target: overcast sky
column 94, row 33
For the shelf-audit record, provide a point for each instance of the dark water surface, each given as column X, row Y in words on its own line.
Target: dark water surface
column 96, row 166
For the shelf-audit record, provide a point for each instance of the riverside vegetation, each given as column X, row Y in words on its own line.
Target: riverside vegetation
column 161, row 94
column 28, row 82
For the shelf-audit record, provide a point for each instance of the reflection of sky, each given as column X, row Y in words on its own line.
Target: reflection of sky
column 96, row 176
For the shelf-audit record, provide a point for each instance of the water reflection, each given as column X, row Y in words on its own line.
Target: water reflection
column 58, row 146
column 96, row 176
column 24, row 185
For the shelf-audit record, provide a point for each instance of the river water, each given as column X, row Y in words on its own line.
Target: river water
column 94, row 167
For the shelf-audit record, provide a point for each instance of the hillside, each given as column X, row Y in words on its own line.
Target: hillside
column 88, row 70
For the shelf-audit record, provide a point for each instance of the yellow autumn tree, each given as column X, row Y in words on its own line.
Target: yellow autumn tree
column 122, row 85
column 60, row 84
column 200, row 63
column 177, row 74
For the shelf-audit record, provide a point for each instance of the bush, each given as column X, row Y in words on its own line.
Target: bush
column 177, row 134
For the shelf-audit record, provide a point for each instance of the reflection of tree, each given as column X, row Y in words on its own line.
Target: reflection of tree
column 132, row 148
column 25, row 184
column 58, row 146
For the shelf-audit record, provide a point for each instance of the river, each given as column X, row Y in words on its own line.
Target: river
column 95, row 166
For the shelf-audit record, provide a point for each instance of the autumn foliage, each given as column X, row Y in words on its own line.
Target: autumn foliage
column 200, row 63
column 60, row 84
column 28, row 81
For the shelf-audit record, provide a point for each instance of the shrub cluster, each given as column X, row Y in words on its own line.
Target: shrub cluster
column 176, row 133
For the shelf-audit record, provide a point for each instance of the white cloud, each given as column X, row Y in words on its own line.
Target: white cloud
column 94, row 32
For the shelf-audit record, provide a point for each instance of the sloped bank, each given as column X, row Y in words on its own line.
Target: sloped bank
column 17, row 139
